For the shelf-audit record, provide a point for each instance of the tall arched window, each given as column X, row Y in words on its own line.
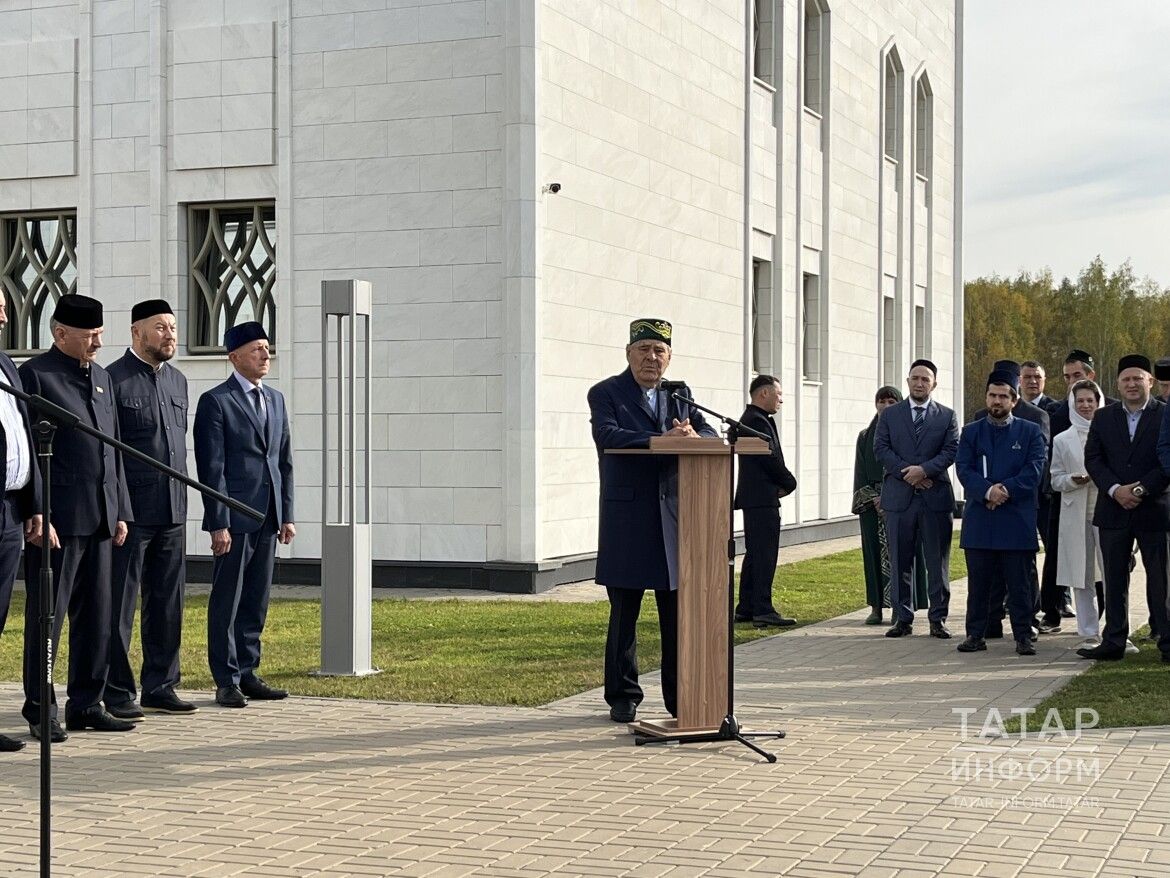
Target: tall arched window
column 892, row 105
column 923, row 126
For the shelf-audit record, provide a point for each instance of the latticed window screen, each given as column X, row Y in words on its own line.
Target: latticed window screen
column 232, row 270
column 38, row 264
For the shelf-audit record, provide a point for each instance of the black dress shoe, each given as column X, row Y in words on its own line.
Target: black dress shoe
column 972, row 644
column 940, row 630
column 742, row 617
column 623, row 712
column 256, row 688
column 230, row 696
column 57, row 735
column 1025, row 647
column 166, row 701
column 10, row 745
column 127, row 710
column 772, row 620
column 1102, row 653
column 900, row 629
column 97, row 719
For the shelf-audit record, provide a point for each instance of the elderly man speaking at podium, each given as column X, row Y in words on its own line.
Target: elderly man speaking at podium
column 637, row 544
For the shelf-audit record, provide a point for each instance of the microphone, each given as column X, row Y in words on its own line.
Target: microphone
column 670, row 388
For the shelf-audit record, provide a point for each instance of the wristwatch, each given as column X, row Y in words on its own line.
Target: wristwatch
column 1139, row 491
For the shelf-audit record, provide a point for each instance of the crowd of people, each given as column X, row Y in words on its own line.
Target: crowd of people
column 117, row 526
column 1086, row 477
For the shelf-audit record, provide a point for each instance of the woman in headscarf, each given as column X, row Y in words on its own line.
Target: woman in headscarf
column 867, row 491
column 1078, row 559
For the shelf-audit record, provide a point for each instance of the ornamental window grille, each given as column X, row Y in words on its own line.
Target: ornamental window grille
column 38, row 265
column 232, row 270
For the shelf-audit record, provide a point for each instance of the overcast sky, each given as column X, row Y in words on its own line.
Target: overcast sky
column 1067, row 136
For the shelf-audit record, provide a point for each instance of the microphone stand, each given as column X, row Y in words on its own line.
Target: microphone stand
column 729, row 729
column 50, row 416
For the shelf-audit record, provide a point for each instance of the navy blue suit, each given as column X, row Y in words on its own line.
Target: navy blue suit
column 1112, row 458
column 89, row 498
column 251, row 462
column 17, row 504
column 637, row 543
column 918, row 517
column 152, row 417
column 1000, row 543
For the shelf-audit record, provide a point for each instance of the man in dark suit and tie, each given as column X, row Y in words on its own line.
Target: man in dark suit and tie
column 152, row 417
column 16, row 450
column 637, row 542
column 763, row 480
column 1000, row 464
column 243, row 449
column 89, row 515
column 915, row 442
column 1121, row 457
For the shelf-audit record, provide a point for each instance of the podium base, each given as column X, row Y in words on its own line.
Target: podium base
column 667, row 728
column 666, row 731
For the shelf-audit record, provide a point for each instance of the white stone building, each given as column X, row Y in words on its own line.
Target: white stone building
column 411, row 143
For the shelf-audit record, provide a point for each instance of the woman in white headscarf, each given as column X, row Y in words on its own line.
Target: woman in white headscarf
column 1078, row 561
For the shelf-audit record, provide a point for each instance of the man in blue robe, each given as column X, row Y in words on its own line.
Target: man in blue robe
column 1000, row 463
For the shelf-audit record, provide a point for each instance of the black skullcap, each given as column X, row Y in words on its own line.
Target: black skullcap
column 887, row 392
column 1007, row 366
column 1162, row 368
column 80, row 312
column 1134, row 361
column 929, row 365
column 1004, row 376
column 650, row 328
column 150, row 308
column 242, row 333
column 1076, row 355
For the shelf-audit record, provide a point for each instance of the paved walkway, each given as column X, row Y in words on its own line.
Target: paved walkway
column 870, row 781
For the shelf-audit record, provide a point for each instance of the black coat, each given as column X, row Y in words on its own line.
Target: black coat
column 637, row 540
column 152, row 418
column 89, row 488
column 26, row 499
column 763, row 480
column 1112, row 459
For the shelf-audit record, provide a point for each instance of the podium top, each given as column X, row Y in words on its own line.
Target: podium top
column 696, row 445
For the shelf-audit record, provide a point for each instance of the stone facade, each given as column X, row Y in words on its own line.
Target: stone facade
column 410, row 143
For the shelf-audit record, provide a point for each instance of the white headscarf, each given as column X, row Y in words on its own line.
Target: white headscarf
column 1077, row 420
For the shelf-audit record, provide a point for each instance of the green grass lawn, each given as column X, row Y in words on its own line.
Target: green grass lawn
column 481, row 652
column 1131, row 692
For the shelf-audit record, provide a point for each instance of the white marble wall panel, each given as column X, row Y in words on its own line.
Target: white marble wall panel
column 38, row 108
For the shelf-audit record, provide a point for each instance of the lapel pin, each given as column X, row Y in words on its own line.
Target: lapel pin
column 99, row 390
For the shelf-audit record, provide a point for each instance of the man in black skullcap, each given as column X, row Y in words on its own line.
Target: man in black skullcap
column 1121, row 457
column 637, row 542
column 1162, row 378
column 243, row 449
column 152, row 417
column 89, row 514
column 17, row 452
column 1000, row 463
column 1025, row 411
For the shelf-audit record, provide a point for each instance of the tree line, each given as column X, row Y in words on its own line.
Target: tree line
column 1031, row 317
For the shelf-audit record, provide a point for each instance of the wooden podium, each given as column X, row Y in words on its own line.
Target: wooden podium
column 704, row 515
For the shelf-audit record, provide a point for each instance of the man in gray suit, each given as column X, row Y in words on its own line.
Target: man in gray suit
column 916, row 442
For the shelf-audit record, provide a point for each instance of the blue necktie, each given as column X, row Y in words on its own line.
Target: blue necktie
column 919, row 421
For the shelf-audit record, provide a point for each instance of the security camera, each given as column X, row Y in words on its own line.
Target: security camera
column 554, row 188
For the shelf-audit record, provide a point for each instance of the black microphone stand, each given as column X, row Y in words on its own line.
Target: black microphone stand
column 50, row 417
column 729, row 729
